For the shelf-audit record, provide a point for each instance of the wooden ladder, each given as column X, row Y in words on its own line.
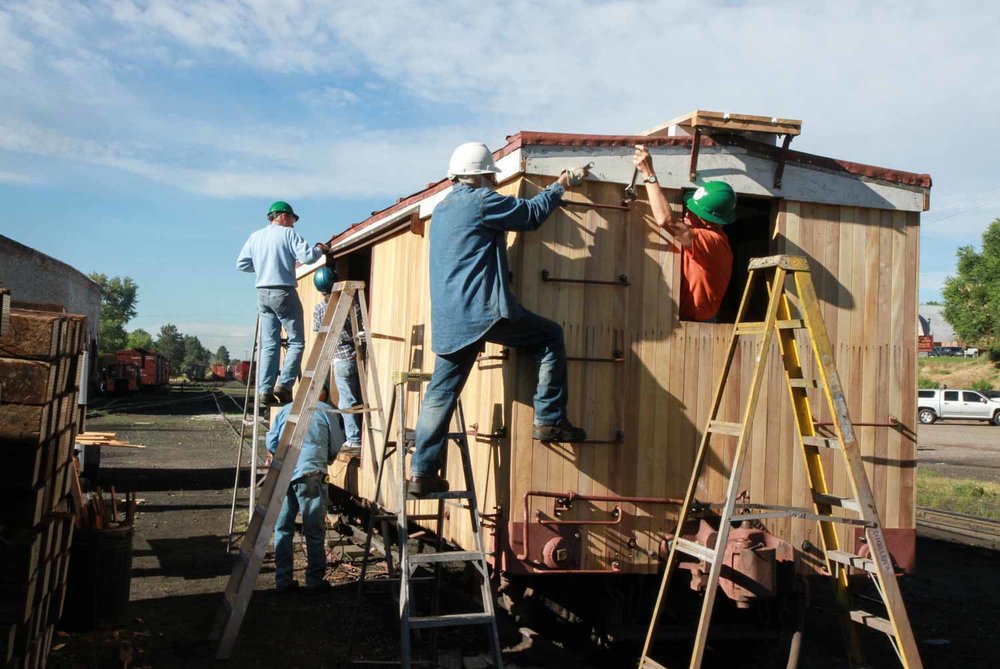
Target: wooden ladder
column 779, row 321
column 264, row 514
column 408, row 561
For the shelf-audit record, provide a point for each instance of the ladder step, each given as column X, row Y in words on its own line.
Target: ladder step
column 821, row 442
column 750, row 328
column 803, row 383
column 851, row 560
column 725, row 427
column 353, row 410
column 833, row 500
column 453, row 494
column 447, row 556
column 694, row 550
column 450, row 620
column 794, row 324
column 308, row 373
column 873, row 621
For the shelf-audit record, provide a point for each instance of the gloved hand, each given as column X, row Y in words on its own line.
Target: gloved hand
column 576, row 175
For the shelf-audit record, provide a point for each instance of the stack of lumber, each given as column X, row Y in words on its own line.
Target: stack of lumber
column 40, row 355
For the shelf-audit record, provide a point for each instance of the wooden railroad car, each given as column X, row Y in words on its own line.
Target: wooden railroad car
column 641, row 379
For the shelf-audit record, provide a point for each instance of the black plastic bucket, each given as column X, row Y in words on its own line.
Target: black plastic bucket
column 100, row 574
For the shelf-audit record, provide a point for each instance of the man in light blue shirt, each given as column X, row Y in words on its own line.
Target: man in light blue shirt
column 471, row 303
column 306, row 493
column 271, row 252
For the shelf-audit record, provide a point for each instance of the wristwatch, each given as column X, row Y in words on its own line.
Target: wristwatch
column 651, row 179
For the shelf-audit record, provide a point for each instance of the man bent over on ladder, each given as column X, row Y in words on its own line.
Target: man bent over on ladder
column 306, row 493
column 271, row 252
column 471, row 303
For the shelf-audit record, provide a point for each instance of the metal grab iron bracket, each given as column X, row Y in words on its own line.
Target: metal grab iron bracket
column 622, row 280
column 595, row 205
column 499, row 433
column 616, row 356
column 782, row 157
column 504, row 354
column 695, row 145
column 618, row 440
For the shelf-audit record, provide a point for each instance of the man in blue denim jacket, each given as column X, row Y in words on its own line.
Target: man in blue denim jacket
column 471, row 303
column 306, row 494
column 271, row 252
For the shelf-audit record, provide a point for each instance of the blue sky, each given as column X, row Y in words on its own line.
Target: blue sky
column 147, row 138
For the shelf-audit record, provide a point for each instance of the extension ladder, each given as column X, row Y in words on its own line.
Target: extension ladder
column 408, row 561
column 241, row 583
column 256, row 438
column 780, row 323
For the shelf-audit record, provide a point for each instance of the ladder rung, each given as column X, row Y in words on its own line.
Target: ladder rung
column 450, row 620
column 833, row 500
column 872, row 621
column 447, row 556
column 453, row 494
column 856, row 561
column 353, row 410
column 308, row 373
column 750, row 328
column 725, row 427
column 794, row 324
column 803, row 383
column 649, row 663
column 821, row 442
column 292, row 418
column 694, row 550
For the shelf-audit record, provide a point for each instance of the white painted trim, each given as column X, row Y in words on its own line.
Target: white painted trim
column 746, row 172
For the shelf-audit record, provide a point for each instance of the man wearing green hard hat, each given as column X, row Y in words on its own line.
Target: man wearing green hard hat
column 272, row 252
column 706, row 257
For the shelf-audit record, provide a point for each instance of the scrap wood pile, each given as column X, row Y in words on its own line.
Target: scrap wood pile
column 98, row 513
column 40, row 357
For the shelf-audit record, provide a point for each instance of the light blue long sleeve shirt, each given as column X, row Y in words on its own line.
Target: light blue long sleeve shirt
column 323, row 440
column 469, row 272
column 271, row 252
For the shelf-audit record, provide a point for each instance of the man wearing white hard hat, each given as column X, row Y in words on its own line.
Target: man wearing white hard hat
column 471, row 303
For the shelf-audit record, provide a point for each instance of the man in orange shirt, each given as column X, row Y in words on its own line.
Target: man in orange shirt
column 706, row 257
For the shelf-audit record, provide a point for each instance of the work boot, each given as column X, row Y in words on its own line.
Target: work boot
column 419, row 486
column 265, row 400
column 562, row 431
column 282, row 395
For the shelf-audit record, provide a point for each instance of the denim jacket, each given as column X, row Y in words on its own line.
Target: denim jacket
column 323, row 440
column 468, row 260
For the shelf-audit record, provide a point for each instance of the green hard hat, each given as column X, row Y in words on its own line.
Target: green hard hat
column 324, row 278
column 714, row 201
column 280, row 207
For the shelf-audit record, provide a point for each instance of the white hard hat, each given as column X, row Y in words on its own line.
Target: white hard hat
column 471, row 158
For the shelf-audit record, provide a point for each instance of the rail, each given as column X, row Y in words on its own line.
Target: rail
column 958, row 528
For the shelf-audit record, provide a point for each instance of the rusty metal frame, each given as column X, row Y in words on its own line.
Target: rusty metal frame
column 779, row 172
column 695, row 145
column 570, row 497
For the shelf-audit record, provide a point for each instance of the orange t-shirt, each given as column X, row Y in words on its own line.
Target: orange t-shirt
column 706, row 268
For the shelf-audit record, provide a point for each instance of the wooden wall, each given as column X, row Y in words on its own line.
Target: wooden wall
column 865, row 270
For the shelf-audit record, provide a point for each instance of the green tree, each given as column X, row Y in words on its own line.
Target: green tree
column 194, row 352
column 972, row 298
column 139, row 338
column 119, row 297
column 222, row 355
column 170, row 343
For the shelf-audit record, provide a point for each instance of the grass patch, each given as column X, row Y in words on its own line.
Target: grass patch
column 958, row 373
column 975, row 498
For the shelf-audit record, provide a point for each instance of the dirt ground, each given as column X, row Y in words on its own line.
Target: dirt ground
column 180, row 566
column 960, row 449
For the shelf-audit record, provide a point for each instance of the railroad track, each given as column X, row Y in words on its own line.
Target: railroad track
column 958, row 528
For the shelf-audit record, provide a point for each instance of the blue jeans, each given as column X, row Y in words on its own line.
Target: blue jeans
column 537, row 335
column 345, row 374
column 279, row 307
column 308, row 494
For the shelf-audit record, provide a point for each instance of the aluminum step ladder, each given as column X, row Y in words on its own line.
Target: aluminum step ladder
column 409, row 562
column 780, row 323
column 252, row 441
column 255, row 541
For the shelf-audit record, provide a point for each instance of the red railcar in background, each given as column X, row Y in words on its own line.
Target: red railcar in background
column 154, row 368
column 116, row 376
column 240, row 369
column 220, row 372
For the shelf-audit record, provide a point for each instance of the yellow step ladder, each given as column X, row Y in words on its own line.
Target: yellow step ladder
column 779, row 323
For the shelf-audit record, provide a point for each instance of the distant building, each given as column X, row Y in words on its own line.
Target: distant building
column 933, row 323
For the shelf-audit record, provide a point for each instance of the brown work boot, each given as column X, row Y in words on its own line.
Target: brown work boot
column 282, row 395
column 562, row 431
column 419, row 486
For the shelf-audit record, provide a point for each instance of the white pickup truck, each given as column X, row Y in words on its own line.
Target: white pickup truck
column 965, row 404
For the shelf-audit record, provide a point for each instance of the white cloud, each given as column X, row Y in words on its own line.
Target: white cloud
column 15, row 178
column 328, row 96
